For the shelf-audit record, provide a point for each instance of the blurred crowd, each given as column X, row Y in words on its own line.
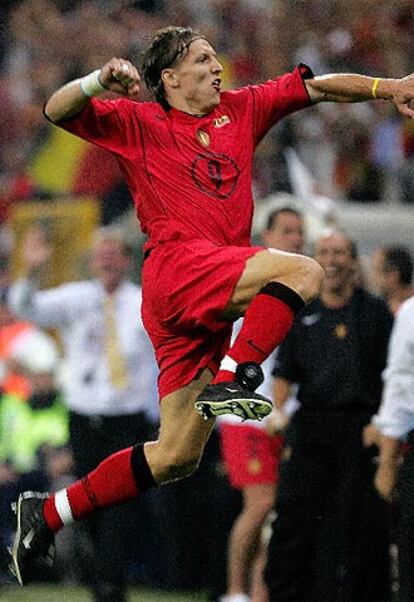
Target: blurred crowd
column 355, row 152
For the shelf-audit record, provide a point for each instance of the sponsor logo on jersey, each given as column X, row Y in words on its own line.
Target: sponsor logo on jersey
column 221, row 121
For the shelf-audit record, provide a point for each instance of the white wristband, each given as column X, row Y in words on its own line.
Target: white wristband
column 91, row 84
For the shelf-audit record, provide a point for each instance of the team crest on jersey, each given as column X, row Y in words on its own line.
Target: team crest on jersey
column 203, row 138
column 341, row 331
column 223, row 120
column 254, row 466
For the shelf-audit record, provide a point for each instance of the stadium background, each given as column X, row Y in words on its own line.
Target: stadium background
column 349, row 164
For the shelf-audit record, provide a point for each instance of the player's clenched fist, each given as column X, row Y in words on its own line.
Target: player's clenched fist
column 120, row 76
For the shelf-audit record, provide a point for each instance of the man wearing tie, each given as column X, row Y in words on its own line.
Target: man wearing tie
column 110, row 386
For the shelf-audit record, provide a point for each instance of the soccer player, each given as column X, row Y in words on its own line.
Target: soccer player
column 187, row 160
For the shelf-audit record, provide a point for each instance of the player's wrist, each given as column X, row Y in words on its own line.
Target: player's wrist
column 91, row 84
column 384, row 88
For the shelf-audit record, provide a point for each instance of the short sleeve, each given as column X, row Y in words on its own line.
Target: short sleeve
column 277, row 98
column 106, row 123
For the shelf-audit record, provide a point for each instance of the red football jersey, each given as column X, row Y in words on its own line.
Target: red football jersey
column 190, row 177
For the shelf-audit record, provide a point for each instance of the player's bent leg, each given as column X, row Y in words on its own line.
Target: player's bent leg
column 273, row 288
column 120, row 477
column 300, row 273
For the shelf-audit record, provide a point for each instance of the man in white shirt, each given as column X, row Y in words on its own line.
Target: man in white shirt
column 395, row 421
column 109, row 379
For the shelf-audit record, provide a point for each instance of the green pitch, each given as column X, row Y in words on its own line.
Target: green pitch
column 74, row 594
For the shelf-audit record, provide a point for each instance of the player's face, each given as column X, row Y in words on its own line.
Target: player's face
column 333, row 253
column 198, row 80
column 109, row 263
column 286, row 234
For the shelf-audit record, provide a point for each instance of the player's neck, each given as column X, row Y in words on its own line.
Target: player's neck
column 185, row 106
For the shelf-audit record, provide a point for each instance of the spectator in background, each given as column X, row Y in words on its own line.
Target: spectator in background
column 34, row 430
column 407, row 166
column 251, row 456
column 15, row 182
column 356, row 176
column 395, row 275
column 110, row 383
column 11, row 331
column 395, row 421
column 330, row 537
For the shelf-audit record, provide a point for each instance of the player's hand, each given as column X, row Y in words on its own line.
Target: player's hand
column 386, row 479
column 276, row 423
column 120, row 76
column 403, row 95
column 36, row 250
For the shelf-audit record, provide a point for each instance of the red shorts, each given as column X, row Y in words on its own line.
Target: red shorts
column 251, row 455
column 186, row 286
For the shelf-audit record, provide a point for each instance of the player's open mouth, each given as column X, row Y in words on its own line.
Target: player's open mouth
column 217, row 84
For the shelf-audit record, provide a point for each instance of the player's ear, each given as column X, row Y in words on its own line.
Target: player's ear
column 170, row 78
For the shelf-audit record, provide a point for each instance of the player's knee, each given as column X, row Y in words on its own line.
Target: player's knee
column 311, row 276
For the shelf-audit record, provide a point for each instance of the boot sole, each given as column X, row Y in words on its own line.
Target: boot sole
column 246, row 409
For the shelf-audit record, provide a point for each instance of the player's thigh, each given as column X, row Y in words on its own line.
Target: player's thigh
column 260, row 269
column 183, row 432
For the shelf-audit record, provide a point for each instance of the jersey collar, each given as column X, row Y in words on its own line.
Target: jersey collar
column 183, row 117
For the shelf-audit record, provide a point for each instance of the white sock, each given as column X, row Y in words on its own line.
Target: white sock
column 63, row 507
column 230, row 365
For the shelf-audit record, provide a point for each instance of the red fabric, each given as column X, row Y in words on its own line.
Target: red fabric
column 51, row 515
column 112, row 482
column 185, row 290
column 183, row 189
column 250, row 455
column 14, row 383
column 224, row 376
column 97, row 173
column 19, row 188
column 266, row 323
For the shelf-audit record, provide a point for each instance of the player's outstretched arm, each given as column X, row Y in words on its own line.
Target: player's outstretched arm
column 117, row 75
column 348, row 87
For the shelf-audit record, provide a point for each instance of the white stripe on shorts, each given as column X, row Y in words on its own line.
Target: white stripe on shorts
column 63, row 507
